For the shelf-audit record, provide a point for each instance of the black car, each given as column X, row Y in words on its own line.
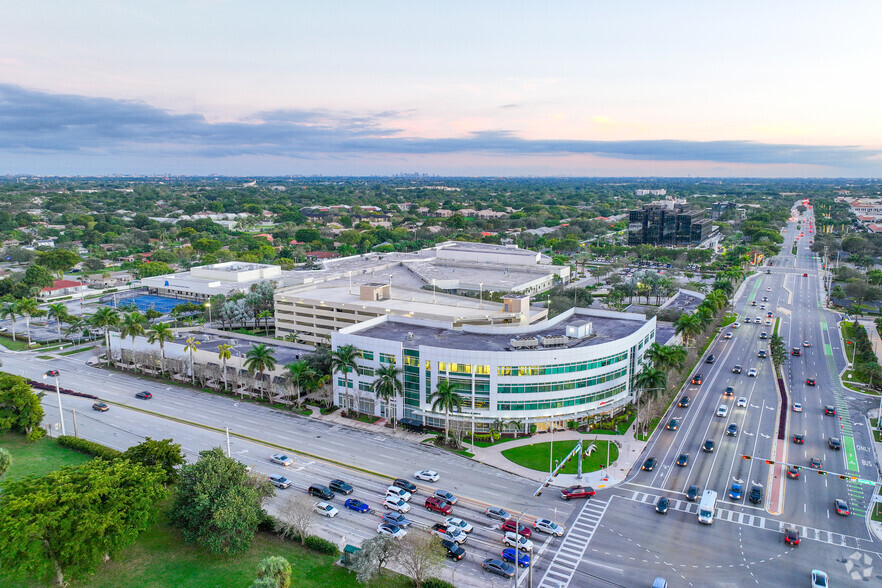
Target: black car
column 762, row 354
column 764, row 335
column 405, row 485
column 756, row 494
column 834, row 443
column 736, row 369
column 697, row 379
column 683, row 460
column 729, row 391
column 810, row 381
column 693, row 493
column 340, row 486
column 796, row 351
column 454, row 551
column 498, row 567
column 829, row 410
column 673, row 425
column 709, row 445
column 649, row 464
column 710, row 359
column 732, row 430
column 321, row 491
column 799, row 438
column 661, row 506
column 144, row 395
column 684, row 402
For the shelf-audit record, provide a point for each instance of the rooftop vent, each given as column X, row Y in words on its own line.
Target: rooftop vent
column 579, row 330
column 524, row 343
column 555, row 341
column 410, row 336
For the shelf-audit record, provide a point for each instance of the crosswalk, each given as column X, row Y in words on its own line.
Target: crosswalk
column 573, row 546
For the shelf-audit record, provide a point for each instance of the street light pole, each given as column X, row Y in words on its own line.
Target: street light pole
column 54, row 374
column 208, row 306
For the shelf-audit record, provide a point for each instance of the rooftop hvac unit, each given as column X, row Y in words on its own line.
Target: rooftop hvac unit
column 525, row 343
column 555, row 341
column 579, row 330
column 410, row 336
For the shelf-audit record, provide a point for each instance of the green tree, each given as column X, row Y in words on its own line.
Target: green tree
column 190, row 347
column 420, row 554
column 154, row 268
column 160, row 333
column 376, row 553
column 10, row 312
column 105, row 318
column 651, row 382
column 58, row 260
column 388, row 385
column 301, row 375
column 689, row 326
column 27, row 307
column 217, row 505
column 59, row 313
column 5, row 461
column 273, row 572
column 223, row 354
column 260, row 358
column 343, row 362
column 446, row 397
column 63, row 525
column 38, row 277
column 165, row 454
column 132, row 325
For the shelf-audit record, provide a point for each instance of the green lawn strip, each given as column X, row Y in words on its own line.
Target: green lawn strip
column 80, row 350
column 17, row 345
column 536, row 455
column 876, row 432
column 39, row 458
column 489, row 444
column 729, row 319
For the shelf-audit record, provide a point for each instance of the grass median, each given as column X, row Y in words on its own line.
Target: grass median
column 537, row 456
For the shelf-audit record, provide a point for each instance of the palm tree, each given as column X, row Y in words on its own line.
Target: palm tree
column 388, row 385
column 446, row 398
column 132, row 326
column 75, row 328
column 160, row 333
column 725, row 287
column 718, row 299
column 300, row 375
column 104, row 318
column 343, row 361
column 651, row 381
column 266, row 315
column 191, row 346
column 27, row 307
column 259, row 359
column 688, row 325
column 10, row 311
column 223, row 354
column 292, row 337
column 58, row 312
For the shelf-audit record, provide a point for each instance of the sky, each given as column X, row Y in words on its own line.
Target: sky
column 486, row 88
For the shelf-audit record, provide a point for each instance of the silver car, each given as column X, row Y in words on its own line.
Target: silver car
column 548, row 526
column 281, row 459
column 495, row 512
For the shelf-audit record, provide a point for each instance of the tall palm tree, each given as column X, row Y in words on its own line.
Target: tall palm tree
column 223, row 354
column 688, row 325
column 388, row 385
column 10, row 311
column 191, row 346
column 260, row 358
column 724, row 286
column 718, row 299
column 301, row 375
column 75, row 326
column 266, row 315
column 104, row 318
column 27, row 307
column 160, row 333
column 58, row 312
column 132, row 326
column 651, row 381
column 343, row 361
column 445, row 397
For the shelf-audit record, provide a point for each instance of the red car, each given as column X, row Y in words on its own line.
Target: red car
column 577, row 492
column 511, row 525
column 438, row 505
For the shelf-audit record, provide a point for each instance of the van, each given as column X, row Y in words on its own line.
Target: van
column 321, row 491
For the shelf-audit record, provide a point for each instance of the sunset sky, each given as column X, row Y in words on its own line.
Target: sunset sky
column 584, row 88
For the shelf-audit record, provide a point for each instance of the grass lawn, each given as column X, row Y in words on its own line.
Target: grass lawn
column 17, row 345
column 876, row 432
column 621, row 428
column 652, row 425
column 536, row 455
column 38, row 458
column 491, row 444
column 729, row 319
column 80, row 350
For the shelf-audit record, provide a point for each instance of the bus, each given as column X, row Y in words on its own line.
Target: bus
column 706, row 507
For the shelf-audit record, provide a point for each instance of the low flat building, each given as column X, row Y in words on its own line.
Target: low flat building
column 202, row 282
column 63, row 288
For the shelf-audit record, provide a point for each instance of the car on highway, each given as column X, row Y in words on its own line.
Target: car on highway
column 709, row 446
column 144, row 395
column 791, row 536
column 799, row 438
column 727, row 335
column 405, row 485
column 732, row 430
column 697, row 379
column 755, row 495
column 793, row 472
column 396, row 518
column 100, row 407
column 710, row 359
column 768, row 289
column 495, row 512
column 512, row 525
column 762, row 354
column 769, row 314
column 829, row 410
column 747, row 320
column 751, row 373
column 736, row 324
column 797, row 407
column 649, row 464
column 340, row 486
column 321, row 491
column 693, row 493
column 841, row 507
column 279, row 481
column 435, row 504
column 819, row 579
column 816, row 463
column 737, row 369
column 804, row 275
column 549, row 527
column 356, row 505
column 764, row 335
column 391, row 530
column 498, row 567
column 735, row 492
column 396, row 492
column 513, row 556
column 281, row 459
column 396, row 504
column 742, row 402
column 325, row 509
column 834, row 443
column 756, row 320
column 684, row 402
column 427, row 475
column 753, row 302
column 459, row 524
column 806, row 344
column 661, row 506
column 673, row 425
column 577, row 491
column 446, row 496
column 683, row 460
column 765, row 298
column 796, row 352
column 514, row 540
column 453, row 549
column 723, row 410
column 810, row 381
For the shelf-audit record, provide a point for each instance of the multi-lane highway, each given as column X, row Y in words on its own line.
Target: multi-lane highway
column 629, row 544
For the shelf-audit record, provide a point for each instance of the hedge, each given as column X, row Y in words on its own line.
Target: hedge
column 321, row 545
column 436, row 583
column 89, row 447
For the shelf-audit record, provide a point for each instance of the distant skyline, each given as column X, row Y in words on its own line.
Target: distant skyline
column 781, row 89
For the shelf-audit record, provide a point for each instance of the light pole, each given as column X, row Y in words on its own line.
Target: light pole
column 54, row 374
column 481, row 303
column 208, row 306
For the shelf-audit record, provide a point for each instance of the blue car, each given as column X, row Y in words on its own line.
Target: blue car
column 735, row 492
column 509, row 554
column 356, row 505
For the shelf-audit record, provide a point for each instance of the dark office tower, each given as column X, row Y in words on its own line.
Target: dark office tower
column 668, row 223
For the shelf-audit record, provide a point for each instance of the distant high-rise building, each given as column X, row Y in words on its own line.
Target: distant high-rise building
column 661, row 192
column 669, row 223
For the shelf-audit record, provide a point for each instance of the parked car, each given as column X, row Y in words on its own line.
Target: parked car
column 340, row 486
column 325, row 509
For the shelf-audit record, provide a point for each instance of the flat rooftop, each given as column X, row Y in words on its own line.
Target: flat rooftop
column 210, row 342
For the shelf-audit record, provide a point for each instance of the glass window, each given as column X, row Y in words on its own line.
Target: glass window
column 387, row 358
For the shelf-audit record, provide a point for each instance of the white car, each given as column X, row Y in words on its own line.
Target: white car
column 819, row 579
column 727, row 336
column 512, row 539
column 768, row 289
column 742, row 402
column 747, row 320
column 768, row 323
column 797, row 407
column 751, row 373
column 397, row 492
column 325, row 509
column 281, row 459
column 723, row 410
column 390, row 529
column 396, row 504
column 459, row 523
column 806, row 344
column 550, row 527
column 736, row 324
column 427, row 476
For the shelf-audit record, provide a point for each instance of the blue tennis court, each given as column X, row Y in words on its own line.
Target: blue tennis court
column 148, row 301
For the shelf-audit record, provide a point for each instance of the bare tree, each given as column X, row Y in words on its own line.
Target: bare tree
column 420, row 554
column 376, row 553
column 296, row 517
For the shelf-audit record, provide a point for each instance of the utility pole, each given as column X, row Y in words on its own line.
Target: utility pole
column 74, row 413
column 228, row 441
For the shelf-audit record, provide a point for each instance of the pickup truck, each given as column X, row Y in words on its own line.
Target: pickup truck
column 449, row 533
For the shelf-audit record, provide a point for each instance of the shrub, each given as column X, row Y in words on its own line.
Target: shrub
column 89, row 447
column 321, row 545
column 268, row 524
column 436, row 583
